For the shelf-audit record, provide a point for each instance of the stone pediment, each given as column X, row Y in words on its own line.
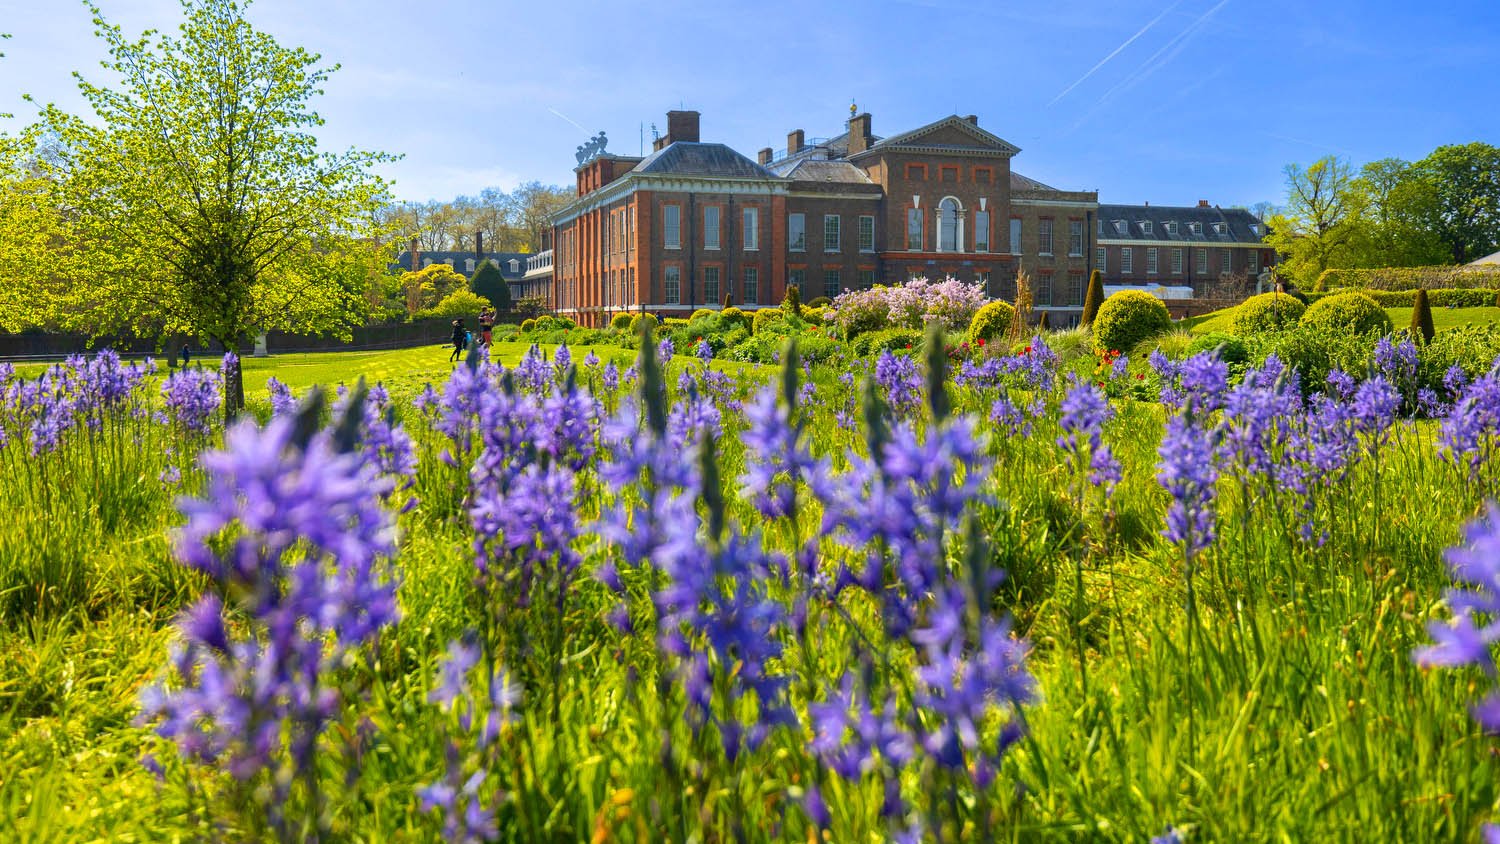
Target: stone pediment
column 951, row 134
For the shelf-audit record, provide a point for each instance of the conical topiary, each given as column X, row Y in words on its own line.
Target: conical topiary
column 1093, row 299
column 728, row 301
column 489, row 283
column 1421, row 318
column 793, row 302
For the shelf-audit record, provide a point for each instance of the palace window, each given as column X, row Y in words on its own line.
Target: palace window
column 1202, row 262
column 671, row 227
column 1176, row 261
column 866, row 279
column 831, row 226
column 1044, row 237
column 751, row 218
column 831, row 285
column 1146, row 227
column 752, row 285
column 796, row 232
column 867, row 234
column 1099, row 255
column 1015, row 235
column 914, row 229
column 948, row 239
column 710, row 285
column 981, row 231
column 1075, row 289
column 1227, row 261
column 710, row 227
column 1151, row 261
column 1252, row 262
column 1127, row 260
column 672, row 285
column 794, row 278
column 1075, row 238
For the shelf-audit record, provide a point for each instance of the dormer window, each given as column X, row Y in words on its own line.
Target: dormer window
column 1255, row 229
column 1195, row 228
column 1120, row 227
column 1145, row 227
column 515, row 265
column 1220, row 229
column 1171, row 228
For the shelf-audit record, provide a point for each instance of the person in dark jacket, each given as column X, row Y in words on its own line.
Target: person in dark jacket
column 460, row 337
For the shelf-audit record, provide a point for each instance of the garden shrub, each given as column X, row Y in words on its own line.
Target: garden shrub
column 1347, row 313
column 859, row 311
column 1473, row 348
column 1421, row 317
column 675, row 322
column 701, row 312
column 820, row 302
column 991, row 321
column 548, row 323
column 1266, row 312
column 1407, row 278
column 636, row 321
column 818, row 349
column 792, row 304
column 1127, row 318
column 764, row 317
column 735, row 316
column 872, row 343
column 1093, row 298
column 1230, row 348
column 815, row 316
column 1069, row 345
column 1475, row 297
column 621, row 321
column 1314, row 351
column 528, row 325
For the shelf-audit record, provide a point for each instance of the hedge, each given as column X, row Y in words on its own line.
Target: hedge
column 1477, row 297
column 1408, row 278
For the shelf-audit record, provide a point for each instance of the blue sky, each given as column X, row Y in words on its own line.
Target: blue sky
column 1197, row 99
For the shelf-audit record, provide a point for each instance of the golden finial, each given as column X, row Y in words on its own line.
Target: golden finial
column 853, row 109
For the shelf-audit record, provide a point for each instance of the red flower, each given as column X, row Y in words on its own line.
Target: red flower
column 981, row 342
column 1140, row 376
column 1028, row 350
column 908, row 345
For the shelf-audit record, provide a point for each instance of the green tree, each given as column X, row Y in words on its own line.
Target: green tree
column 1395, row 201
column 1316, row 228
column 489, row 283
column 1465, row 212
column 430, row 285
column 198, row 198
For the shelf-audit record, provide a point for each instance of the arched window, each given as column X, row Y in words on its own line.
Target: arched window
column 950, row 234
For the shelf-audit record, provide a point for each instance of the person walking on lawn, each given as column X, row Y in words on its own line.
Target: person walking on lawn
column 486, row 325
column 460, row 337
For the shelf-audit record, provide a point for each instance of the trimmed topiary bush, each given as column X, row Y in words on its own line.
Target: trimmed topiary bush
column 621, row 321
column 1127, row 318
column 701, row 312
column 1266, row 312
column 1347, row 313
column 764, row 317
column 1421, row 317
column 735, row 316
column 820, row 302
column 1230, row 349
column 1093, row 299
column 792, row 304
column 991, row 321
column 639, row 320
column 528, row 325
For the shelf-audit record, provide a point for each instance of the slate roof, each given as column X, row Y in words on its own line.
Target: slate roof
column 816, row 170
column 459, row 260
column 687, row 158
column 1019, row 182
column 1238, row 224
column 982, row 137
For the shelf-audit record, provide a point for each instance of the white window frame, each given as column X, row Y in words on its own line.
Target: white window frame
column 1171, row 227
column 1015, row 235
column 750, row 226
column 1101, row 259
column 718, row 278
column 671, row 227
column 752, row 285
column 915, row 215
column 794, row 221
column 867, row 233
column 982, row 231
column 671, row 285
column 1151, row 265
column 1202, row 260
column 1127, row 260
column 1145, row 227
column 1195, row 228
column 712, row 231
column 1075, row 239
column 833, row 224
column 1044, row 237
column 838, row 282
column 1252, row 262
column 1226, row 262
column 1177, row 260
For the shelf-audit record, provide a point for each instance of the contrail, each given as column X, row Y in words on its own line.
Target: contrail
column 1117, row 51
column 1150, row 65
column 567, row 118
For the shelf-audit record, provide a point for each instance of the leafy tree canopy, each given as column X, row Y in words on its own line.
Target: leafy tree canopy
column 195, row 197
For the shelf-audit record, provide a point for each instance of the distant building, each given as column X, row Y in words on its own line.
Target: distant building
column 695, row 224
column 1195, row 246
column 512, row 265
column 1488, row 262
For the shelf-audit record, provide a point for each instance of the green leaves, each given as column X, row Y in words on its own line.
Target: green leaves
column 197, row 197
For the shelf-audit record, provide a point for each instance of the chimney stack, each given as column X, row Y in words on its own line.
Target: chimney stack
column 682, row 126
column 1202, row 203
column 479, row 244
column 764, row 156
column 859, row 133
column 416, row 252
column 972, row 118
column 794, row 141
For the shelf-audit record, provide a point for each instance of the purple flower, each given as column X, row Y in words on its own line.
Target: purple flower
column 1084, row 412
column 1467, row 435
column 704, row 351
column 192, row 397
column 900, row 378
column 1469, row 638
column 776, row 460
column 665, row 349
column 282, row 400
column 1187, row 469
